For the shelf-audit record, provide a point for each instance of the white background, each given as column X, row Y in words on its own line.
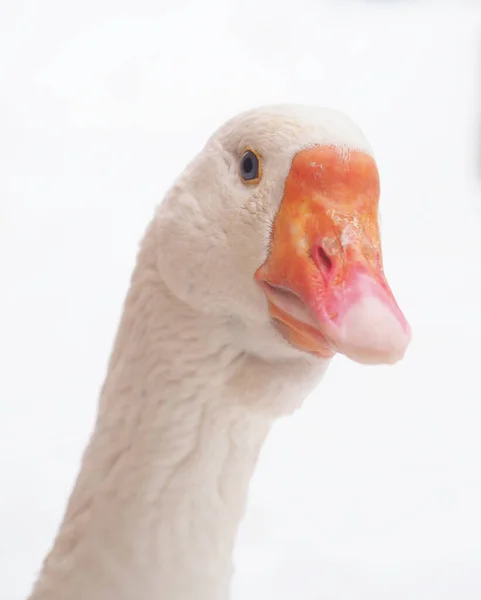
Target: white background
column 372, row 490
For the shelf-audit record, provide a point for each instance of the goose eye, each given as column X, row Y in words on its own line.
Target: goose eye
column 250, row 167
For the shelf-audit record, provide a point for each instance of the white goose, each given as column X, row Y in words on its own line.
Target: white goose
column 262, row 262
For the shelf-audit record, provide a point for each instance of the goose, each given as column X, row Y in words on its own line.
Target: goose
column 260, row 264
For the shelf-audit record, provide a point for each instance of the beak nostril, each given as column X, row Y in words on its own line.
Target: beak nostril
column 323, row 261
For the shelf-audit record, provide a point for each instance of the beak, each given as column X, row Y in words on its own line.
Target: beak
column 323, row 277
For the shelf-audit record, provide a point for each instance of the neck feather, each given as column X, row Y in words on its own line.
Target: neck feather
column 164, row 479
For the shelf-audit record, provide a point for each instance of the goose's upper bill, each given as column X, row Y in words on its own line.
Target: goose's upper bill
column 324, row 276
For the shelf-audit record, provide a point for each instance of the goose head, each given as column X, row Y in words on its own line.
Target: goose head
column 274, row 227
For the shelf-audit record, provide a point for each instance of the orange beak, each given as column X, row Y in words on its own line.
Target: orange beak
column 324, row 278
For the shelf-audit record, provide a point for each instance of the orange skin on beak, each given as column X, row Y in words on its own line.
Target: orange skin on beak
column 325, row 237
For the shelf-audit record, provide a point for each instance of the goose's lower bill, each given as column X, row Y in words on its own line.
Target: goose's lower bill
column 324, row 278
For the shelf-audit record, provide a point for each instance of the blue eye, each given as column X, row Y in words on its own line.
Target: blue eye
column 250, row 167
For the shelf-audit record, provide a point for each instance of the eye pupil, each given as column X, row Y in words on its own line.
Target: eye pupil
column 249, row 166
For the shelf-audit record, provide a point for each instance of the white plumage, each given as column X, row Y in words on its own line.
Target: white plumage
column 201, row 367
